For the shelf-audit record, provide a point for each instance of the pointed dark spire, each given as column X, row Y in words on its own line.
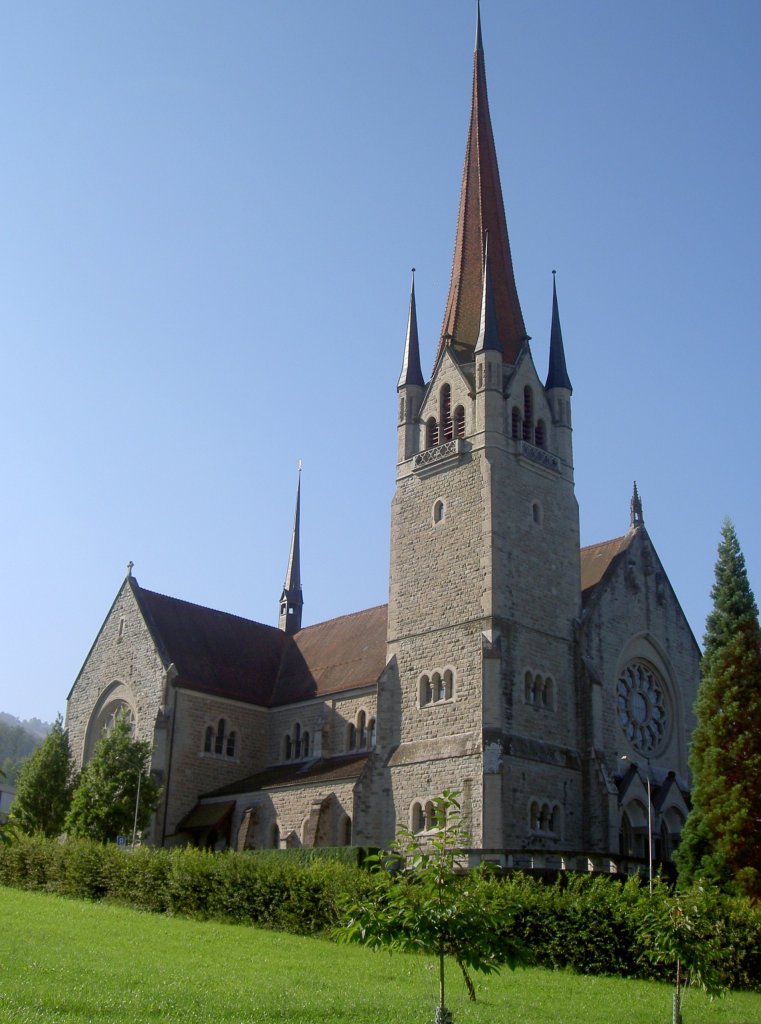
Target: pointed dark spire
column 557, row 376
column 636, row 518
column 488, row 336
column 481, row 210
column 291, row 600
column 411, row 372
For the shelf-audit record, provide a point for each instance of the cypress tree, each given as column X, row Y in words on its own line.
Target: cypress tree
column 45, row 785
column 722, row 835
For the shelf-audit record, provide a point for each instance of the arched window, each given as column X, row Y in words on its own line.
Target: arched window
column 545, row 820
column 371, row 732
column 346, row 831
column 426, row 691
column 288, row 748
column 445, row 398
column 448, row 684
column 417, row 818
column 430, row 816
column 208, row 740
column 535, row 821
column 305, row 744
column 516, row 427
column 351, row 739
column 438, row 511
column 219, row 741
column 362, row 730
column 431, row 433
column 536, row 513
column 555, row 820
column 540, row 434
column 548, row 694
column 528, row 414
column 626, row 836
column 459, row 422
column 438, row 686
column 275, row 837
column 297, row 741
column 528, row 695
column 230, row 745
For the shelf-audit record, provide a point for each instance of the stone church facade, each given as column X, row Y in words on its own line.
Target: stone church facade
column 552, row 686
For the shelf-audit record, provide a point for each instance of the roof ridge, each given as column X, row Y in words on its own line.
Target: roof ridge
column 208, row 608
column 347, row 615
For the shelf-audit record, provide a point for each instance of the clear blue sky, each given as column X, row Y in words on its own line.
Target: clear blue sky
column 208, row 214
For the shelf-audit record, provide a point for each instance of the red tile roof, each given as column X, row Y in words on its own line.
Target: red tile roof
column 230, row 656
column 597, row 559
column 336, row 655
column 329, row 769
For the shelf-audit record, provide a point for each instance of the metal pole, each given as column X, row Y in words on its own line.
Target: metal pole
column 137, row 804
column 649, row 831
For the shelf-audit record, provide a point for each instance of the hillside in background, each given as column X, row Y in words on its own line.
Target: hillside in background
column 17, row 741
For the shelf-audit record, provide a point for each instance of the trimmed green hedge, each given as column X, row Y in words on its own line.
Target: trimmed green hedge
column 583, row 923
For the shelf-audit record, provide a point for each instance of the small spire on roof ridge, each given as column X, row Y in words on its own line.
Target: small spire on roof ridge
column 636, row 518
column 479, row 40
column 411, row 371
column 291, row 599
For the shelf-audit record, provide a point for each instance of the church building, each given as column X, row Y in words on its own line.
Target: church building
column 551, row 686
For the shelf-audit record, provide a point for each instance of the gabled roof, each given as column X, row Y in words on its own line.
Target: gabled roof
column 214, row 651
column 336, row 655
column 230, row 656
column 597, row 559
column 329, row 769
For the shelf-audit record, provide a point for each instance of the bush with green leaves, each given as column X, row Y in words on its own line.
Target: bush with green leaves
column 422, row 902
column 683, row 932
column 589, row 925
column 116, row 791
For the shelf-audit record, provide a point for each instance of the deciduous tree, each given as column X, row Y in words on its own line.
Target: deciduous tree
column 722, row 835
column 423, row 903
column 105, row 803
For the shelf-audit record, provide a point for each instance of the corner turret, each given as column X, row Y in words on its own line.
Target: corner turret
column 410, row 386
column 558, row 386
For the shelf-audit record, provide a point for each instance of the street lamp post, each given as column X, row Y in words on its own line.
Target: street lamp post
column 625, row 757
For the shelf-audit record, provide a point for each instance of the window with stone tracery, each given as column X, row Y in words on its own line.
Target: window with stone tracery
column 539, row 691
column 436, row 688
column 220, row 742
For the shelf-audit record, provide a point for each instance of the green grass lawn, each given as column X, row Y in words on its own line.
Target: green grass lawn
column 66, row 961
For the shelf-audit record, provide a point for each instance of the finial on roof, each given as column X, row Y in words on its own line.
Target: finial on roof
column 636, row 517
column 557, row 374
column 479, row 41
column 130, row 567
column 411, row 372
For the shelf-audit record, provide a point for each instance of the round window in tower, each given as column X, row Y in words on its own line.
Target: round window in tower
column 642, row 706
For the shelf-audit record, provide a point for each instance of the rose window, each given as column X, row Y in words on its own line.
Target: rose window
column 641, row 707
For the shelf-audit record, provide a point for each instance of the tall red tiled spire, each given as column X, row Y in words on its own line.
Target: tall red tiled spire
column 482, row 210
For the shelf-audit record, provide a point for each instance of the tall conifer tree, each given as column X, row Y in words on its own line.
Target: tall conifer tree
column 45, row 785
column 722, row 836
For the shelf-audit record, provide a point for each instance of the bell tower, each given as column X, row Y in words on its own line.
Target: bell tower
column 484, row 588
